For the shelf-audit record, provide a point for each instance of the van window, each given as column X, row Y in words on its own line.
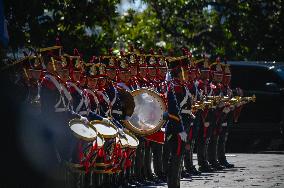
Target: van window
column 257, row 77
column 238, row 76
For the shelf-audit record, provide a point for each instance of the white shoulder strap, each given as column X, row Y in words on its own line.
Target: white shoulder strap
column 186, row 97
column 104, row 96
column 124, row 86
column 114, row 99
column 75, row 87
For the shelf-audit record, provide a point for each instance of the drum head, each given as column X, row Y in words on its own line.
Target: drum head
column 133, row 142
column 82, row 131
column 106, row 130
column 147, row 117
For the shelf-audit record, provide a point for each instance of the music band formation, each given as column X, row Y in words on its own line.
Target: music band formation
column 110, row 119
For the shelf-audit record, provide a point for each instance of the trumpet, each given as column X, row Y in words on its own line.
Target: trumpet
column 201, row 105
column 216, row 100
column 198, row 105
column 249, row 99
column 235, row 100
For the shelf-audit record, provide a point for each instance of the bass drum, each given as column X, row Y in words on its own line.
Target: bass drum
column 147, row 117
column 127, row 101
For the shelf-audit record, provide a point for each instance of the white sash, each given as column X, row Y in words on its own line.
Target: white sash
column 95, row 98
column 61, row 90
column 71, row 84
column 187, row 96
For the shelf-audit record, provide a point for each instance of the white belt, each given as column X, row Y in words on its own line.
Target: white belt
column 60, row 109
column 83, row 113
column 184, row 111
column 117, row 112
column 224, row 124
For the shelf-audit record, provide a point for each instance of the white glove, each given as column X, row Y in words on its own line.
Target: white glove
column 183, row 136
column 226, row 110
column 224, row 124
column 206, row 124
column 106, row 121
column 84, row 119
column 239, row 104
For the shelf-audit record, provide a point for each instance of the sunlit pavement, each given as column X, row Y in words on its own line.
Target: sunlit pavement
column 252, row 170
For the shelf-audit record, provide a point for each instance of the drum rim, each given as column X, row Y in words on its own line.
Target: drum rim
column 101, row 136
column 107, row 124
column 76, row 120
column 123, row 146
column 156, row 95
column 133, row 136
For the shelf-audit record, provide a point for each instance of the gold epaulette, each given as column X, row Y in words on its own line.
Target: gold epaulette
column 172, row 59
column 108, row 56
column 222, row 64
column 50, row 48
column 71, row 56
column 198, row 61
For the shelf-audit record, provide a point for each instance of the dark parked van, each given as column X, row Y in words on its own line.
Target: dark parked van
column 262, row 121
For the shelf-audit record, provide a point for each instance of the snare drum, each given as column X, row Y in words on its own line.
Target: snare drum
column 105, row 129
column 85, row 135
column 83, row 131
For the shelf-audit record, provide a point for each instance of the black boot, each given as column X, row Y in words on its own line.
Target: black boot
column 193, row 171
column 226, row 164
column 216, row 165
column 205, row 168
column 185, row 174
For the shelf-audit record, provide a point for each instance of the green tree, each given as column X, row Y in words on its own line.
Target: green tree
column 237, row 29
column 87, row 25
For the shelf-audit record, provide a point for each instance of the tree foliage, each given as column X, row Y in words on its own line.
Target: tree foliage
column 238, row 29
column 87, row 25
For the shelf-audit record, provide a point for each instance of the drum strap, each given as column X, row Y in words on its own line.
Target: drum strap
column 62, row 90
column 70, row 84
column 119, row 112
column 95, row 98
column 105, row 97
column 179, row 109
column 197, row 93
column 185, row 99
column 229, row 92
column 211, row 89
column 112, row 102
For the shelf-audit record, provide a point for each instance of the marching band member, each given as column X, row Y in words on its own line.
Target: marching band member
column 157, row 74
column 203, row 89
column 226, row 121
column 187, row 114
column 215, row 125
column 175, row 132
column 196, row 115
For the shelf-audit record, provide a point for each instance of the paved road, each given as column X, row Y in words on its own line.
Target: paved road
column 252, row 170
